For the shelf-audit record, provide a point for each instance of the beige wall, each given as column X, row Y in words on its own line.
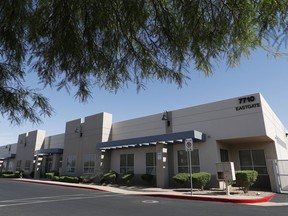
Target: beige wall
column 7, row 150
column 94, row 129
column 26, row 146
column 275, row 130
column 139, row 127
column 55, row 141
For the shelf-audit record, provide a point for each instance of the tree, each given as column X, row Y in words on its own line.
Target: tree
column 111, row 44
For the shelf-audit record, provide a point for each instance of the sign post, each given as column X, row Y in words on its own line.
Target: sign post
column 189, row 149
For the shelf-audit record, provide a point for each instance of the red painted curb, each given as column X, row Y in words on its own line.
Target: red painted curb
column 217, row 199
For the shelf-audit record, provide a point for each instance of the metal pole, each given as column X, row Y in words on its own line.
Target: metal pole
column 190, row 170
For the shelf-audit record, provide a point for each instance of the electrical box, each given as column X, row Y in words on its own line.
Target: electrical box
column 225, row 171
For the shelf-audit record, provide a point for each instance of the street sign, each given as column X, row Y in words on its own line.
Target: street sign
column 189, row 144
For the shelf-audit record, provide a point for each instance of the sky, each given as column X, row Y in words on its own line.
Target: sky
column 260, row 73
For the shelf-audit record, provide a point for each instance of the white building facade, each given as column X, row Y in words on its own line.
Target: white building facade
column 243, row 130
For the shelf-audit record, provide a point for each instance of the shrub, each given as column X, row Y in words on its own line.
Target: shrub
column 181, row 178
column 201, row 178
column 19, row 174
column 245, row 179
column 148, row 178
column 8, row 175
column 69, row 179
column 49, row 175
column 127, row 177
column 55, row 178
column 109, row 177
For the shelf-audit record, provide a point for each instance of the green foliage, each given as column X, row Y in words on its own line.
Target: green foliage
column 245, row 179
column 86, row 179
column 148, row 178
column 8, row 175
column 109, row 177
column 113, row 43
column 51, row 174
column 16, row 174
column 69, row 179
column 181, row 178
column 201, row 178
column 19, row 173
column 127, row 177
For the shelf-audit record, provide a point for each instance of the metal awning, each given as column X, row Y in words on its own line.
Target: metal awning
column 48, row 151
column 170, row 138
column 8, row 157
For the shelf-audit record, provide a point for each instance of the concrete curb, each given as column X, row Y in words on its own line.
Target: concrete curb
column 244, row 200
column 215, row 199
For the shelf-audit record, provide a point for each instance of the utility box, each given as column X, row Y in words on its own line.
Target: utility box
column 225, row 171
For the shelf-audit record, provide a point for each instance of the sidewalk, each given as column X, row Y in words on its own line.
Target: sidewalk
column 218, row 196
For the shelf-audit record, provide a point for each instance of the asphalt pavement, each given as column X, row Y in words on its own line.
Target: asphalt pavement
column 266, row 199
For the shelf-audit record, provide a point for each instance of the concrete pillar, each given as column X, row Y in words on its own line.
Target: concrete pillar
column 55, row 162
column 162, row 180
column 105, row 162
column 38, row 166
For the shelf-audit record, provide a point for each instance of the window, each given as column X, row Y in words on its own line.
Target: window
column 89, row 163
column 183, row 162
column 224, row 155
column 126, row 163
column 27, row 165
column 151, row 163
column 10, row 165
column 253, row 160
column 71, row 164
column 18, row 165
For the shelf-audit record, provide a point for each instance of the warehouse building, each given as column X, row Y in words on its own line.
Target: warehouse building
column 243, row 130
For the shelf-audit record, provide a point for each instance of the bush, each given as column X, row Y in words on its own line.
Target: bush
column 181, row 178
column 109, row 177
column 201, row 178
column 148, row 178
column 127, row 177
column 19, row 174
column 245, row 179
column 8, row 175
column 69, row 179
column 49, row 175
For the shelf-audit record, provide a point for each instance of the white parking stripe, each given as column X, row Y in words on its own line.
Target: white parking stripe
column 39, row 200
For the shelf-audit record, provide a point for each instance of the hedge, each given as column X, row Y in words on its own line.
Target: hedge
column 201, row 178
column 245, row 179
column 109, row 177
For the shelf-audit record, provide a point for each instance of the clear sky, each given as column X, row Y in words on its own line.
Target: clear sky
column 260, row 73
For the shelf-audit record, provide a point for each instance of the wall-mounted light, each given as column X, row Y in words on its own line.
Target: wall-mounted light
column 166, row 118
column 23, row 141
column 79, row 130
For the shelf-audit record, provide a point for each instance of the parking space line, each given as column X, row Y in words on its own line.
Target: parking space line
column 39, row 200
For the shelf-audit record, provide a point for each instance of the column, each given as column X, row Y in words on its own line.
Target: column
column 161, row 165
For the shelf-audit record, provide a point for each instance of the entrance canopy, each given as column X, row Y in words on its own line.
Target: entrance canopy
column 170, row 138
column 8, row 157
column 48, row 151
